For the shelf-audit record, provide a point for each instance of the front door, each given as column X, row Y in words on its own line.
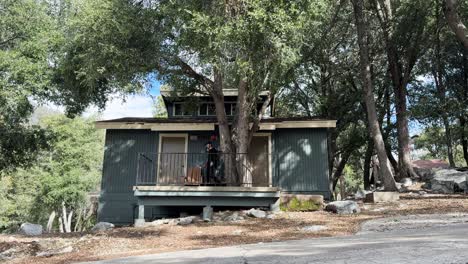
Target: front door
column 172, row 160
column 259, row 161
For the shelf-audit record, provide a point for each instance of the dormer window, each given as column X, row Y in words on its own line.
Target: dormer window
column 179, row 110
column 230, row 108
column 209, row 109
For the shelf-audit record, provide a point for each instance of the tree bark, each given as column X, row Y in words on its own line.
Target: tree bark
column 374, row 127
column 438, row 73
column 50, row 223
column 225, row 140
column 60, row 224
column 463, row 118
column 400, row 78
column 340, row 168
column 367, row 163
column 455, row 23
column 241, row 133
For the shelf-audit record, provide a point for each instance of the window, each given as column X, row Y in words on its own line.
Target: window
column 179, row 110
column 207, row 109
column 230, row 108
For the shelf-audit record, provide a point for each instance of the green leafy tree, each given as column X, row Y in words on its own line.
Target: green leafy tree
column 193, row 46
column 60, row 180
column 27, row 39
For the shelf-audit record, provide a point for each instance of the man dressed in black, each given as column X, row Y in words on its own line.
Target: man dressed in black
column 211, row 163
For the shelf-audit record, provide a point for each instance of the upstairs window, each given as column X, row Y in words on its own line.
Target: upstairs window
column 179, row 110
column 207, row 109
column 230, row 108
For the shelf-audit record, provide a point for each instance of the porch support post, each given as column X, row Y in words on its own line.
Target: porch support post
column 207, row 213
column 140, row 221
column 275, row 207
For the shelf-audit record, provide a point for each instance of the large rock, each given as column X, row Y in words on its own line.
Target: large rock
column 29, row 229
column 186, row 220
column 102, row 226
column 343, row 207
column 449, row 181
column 256, row 213
column 406, row 182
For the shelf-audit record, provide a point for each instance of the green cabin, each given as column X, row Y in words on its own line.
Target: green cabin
column 159, row 167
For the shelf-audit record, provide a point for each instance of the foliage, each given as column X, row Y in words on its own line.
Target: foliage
column 296, row 205
column 431, row 145
column 26, row 40
column 66, row 173
column 159, row 108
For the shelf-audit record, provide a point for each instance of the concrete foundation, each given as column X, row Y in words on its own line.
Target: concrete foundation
column 379, row 197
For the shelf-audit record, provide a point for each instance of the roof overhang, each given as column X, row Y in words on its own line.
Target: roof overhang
column 211, row 126
column 168, row 92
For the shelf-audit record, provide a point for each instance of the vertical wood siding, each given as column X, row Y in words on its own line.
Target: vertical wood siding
column 117, row 202
column 300, row 165
column 301, row 161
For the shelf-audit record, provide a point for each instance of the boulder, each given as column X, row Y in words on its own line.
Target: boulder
column 313, row 228
column 361, row 194
column 102, row 226
column 186, row 220
column 233, row 217
column 449, row 181
column 256, row 213
column 29, row 229
column 343, row 207
column 406, row 182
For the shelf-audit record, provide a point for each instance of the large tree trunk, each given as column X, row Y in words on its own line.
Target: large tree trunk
column 438, row 72
column 225, row 139
column 464, row 139
column 340, row 168
column 374, row 127
column 463, row 119
column 400, row 78
column 367, row 163
column 455, row 23
column 50, row 223
column 242, row 133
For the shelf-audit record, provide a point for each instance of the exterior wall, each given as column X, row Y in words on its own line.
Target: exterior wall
column 117, row 203
column 301, row 161
column 299, row 165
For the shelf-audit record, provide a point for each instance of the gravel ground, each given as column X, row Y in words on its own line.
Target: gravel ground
column 129, row 241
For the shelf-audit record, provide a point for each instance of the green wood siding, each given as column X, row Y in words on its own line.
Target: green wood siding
column 301, row 161
column 299, row 157
column 117, row 203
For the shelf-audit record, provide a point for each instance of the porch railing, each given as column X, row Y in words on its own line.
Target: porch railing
column 202, row 169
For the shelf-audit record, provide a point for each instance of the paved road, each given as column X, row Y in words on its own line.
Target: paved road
column 446, row 244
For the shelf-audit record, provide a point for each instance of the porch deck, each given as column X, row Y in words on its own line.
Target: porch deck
column 206, row 195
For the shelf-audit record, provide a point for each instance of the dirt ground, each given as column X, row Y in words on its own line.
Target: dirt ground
column 127, row 241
